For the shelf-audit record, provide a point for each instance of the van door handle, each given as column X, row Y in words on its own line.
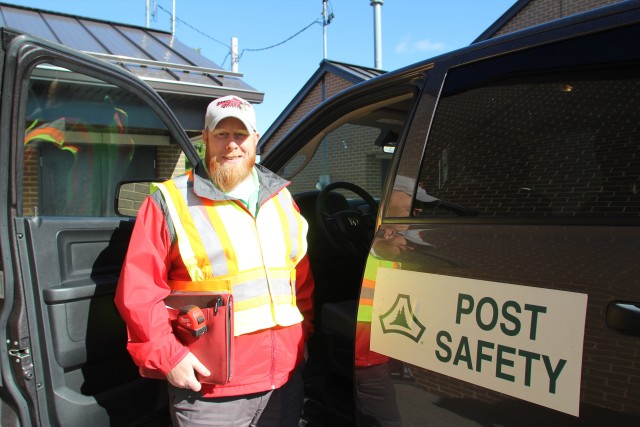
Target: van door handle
column 624, row 317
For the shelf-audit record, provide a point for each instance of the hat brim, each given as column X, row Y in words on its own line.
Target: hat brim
column 212, row 125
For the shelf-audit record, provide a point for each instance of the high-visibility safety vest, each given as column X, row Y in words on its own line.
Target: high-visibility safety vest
column 226, row 249
column 364, row 356
column 365, row 305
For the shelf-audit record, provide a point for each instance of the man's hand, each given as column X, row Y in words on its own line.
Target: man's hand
column 183, row 375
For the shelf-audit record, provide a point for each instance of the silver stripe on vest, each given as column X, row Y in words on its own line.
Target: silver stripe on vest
column 256, row 288
column 209, row 237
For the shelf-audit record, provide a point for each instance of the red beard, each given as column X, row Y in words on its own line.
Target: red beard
column 227, row 176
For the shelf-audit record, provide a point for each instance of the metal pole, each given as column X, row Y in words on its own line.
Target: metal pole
column 173, row 18
column 234, row 54
column 324, row 28
column 147, row 13
column 377, row 30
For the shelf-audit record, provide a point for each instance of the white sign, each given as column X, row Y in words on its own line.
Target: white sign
column 522, row 341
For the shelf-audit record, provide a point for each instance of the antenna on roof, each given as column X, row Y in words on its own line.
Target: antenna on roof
column 325, row 21
column 151, row 12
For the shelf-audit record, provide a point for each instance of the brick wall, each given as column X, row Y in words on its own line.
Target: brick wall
column 30, row 185
column 131, row 197
column 346, row 154
column 332, row 83
column 540, row 11
column 171, row 162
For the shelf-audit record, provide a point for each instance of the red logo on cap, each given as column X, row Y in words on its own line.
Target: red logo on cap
column 233, row 103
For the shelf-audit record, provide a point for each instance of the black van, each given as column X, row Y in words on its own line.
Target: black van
column 474, row 234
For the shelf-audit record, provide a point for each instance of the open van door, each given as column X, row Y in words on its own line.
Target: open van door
column 72, row 129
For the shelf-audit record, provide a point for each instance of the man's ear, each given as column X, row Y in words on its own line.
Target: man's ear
column 204, row 135
column 257, row 138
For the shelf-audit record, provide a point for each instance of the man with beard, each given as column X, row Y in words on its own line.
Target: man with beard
column 228, row 225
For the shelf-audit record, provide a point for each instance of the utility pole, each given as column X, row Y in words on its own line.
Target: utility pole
column 377, row 30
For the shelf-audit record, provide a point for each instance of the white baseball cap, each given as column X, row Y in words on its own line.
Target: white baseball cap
column 407, row 185
column 230, row 106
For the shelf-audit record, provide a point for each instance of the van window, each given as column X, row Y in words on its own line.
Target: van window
column 546, row 144
column 356, row 148
column 82, row 138
column 336, row 157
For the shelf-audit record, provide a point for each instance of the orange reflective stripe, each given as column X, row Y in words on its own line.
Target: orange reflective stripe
column 50, row 134
column 226, row 282
column 366, row 301
column 368, row 283
column 366, row 293
column 209, row 285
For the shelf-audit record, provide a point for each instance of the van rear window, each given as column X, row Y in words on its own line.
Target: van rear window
column 552, row 144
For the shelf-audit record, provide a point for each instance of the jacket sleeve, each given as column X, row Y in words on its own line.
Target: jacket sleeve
column 304, row 295
column 141, row 290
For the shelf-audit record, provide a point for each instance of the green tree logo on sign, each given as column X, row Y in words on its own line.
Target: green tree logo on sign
column 399, row 319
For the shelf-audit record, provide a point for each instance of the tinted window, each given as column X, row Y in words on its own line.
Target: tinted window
column 82, row 138
column 548, row 144
column 358, row 150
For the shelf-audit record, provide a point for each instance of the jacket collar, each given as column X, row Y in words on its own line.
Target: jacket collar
column 269, row 184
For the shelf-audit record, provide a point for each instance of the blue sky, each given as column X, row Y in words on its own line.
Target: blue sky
column 412, row 30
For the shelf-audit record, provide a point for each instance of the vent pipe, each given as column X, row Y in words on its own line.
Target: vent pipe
column 377, row 32
column 173, row 18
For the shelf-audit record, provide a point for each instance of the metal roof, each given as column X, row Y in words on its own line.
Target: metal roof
column 354, row 73
column 157, row 57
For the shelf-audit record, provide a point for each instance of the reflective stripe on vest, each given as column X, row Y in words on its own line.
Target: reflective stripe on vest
column 238, row 249
column 365, row 305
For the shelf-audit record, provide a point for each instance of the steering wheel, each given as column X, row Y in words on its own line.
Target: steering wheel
column 350, row 232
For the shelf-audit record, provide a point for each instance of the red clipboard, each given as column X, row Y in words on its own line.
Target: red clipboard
column 214, row 348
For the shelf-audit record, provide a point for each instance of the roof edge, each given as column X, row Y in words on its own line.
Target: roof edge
column 325, row 65
column 501, row 21
column 151, row 63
